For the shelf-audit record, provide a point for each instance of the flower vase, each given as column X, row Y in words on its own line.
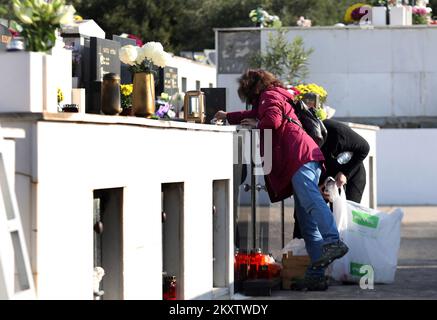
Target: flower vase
column 398, row 16
column 379, row 16
column 22, row 82
column 143, row 95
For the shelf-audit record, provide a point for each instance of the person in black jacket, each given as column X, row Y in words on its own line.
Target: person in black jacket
column 343, row 142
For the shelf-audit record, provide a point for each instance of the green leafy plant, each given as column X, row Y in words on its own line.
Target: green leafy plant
column 288, row 61
column 3, row 11
column 378, row 3
column 264, row 19
column 39, row 20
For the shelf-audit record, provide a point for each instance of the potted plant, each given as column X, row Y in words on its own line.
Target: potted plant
column 33, row 76
column 143, row 63
column 400, row 14
column 126, row 99
column 421, row 14
column 288, row 61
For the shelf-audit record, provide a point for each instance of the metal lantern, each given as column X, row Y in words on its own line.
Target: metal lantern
column 110, row 94
column 194, row 106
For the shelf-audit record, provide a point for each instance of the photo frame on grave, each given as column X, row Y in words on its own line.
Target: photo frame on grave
column 5, row 37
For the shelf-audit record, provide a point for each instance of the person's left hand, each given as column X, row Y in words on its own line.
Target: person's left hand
column 341, row 179
column 250, row 122
column 325, row 193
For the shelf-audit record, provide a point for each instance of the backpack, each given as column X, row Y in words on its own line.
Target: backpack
column 312, row 125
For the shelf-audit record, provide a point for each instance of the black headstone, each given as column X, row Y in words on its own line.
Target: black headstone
column 103, row 59
column 5, row 37
column 167, row 81
column 126, row 75
column 215, row 100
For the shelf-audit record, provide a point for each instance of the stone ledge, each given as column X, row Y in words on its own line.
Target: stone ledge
column 393, row 122
column 104, row 119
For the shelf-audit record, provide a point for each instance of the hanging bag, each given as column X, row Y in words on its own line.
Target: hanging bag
column 308, row 121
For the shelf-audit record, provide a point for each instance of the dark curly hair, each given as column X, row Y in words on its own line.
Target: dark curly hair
column 253, row 82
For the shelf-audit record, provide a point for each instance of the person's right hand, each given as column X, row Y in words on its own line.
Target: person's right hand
column 220, row 115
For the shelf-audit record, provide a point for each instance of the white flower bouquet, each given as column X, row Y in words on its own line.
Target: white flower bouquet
column 39, row 20
column 146, row 58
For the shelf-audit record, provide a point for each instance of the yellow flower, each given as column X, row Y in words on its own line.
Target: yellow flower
column 312, row 88
column 60, row 96
column 321, row 113
column 126, row 89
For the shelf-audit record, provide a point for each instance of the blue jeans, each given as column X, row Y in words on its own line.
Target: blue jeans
column 316, row 221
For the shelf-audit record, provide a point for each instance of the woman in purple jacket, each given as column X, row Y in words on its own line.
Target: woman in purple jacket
column 296, row 169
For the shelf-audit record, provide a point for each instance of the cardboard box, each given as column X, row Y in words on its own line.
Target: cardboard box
column 293, row 267
column 291, row 261
column 293, row 273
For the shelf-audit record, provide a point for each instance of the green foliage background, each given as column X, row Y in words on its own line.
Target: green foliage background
column 188, row 24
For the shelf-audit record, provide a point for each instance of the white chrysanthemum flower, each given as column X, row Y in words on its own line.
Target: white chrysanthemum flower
column 141, row 55
column 161, row 59
column 154, row 51
column 151, row 48
column 158, row 46
column 128, row 54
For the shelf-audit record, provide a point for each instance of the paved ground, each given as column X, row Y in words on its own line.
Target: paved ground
column 416, row 276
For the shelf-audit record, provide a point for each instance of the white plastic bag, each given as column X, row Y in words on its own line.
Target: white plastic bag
column 373, row 238
column 297, row 246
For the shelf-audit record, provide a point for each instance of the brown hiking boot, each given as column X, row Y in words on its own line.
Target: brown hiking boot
column 331, row 251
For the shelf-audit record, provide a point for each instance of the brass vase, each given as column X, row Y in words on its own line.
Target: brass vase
column 143, row 95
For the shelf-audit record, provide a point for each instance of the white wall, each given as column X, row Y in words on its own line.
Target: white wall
column 229, row 81
column 65, row 161
column 406, row 163
column 377, row 72
column 370, row 195
column 194, row 71
column 380, row 72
